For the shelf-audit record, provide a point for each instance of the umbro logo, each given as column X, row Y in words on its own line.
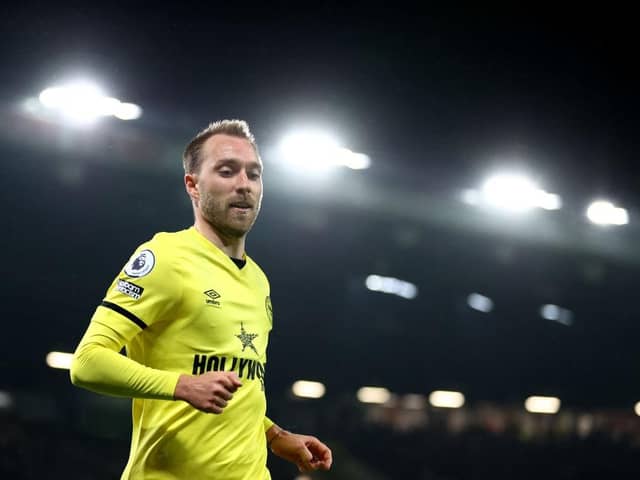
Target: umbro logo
column 212, row 298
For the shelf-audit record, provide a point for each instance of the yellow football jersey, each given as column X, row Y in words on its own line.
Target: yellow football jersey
column 182, row 306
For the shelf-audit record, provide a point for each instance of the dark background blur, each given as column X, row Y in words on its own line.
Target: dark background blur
column 438, row 100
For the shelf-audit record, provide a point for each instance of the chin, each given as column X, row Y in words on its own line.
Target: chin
column 237, row 231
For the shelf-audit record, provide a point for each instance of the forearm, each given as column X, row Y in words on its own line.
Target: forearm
column 307, row 452
column 102, row 370
column 98, row 366
column 273, row 432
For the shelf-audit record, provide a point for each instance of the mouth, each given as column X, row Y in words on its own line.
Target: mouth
column 242, row 206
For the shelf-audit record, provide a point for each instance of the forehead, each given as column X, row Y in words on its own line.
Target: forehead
column 226, row 147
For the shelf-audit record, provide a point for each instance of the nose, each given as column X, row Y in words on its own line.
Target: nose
column 243, row 184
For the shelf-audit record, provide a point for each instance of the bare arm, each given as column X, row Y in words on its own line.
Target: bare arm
column 306, row 452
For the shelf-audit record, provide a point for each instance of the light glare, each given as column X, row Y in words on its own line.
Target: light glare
column 393, row 286
column 539, row 404
column 373, row 395
column 312, row 150
column 5, row 400
column 82, row 103
column 510, row 192
column 480, row 303
column 320, row 151
column 471, row 197
column 548, row 201
column 353, row 160
column 446, row 399
column 602, row 212
column 60, row 360
column 308, row 389
column 556, row 314
column 127, row 111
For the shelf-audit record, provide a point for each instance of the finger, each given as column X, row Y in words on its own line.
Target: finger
column 223, row 393
column 322, row 456
column 320, row 465
column 304, row 460
column 230, row 381
column 220, row 402
column 235, row 380
column 325, row 460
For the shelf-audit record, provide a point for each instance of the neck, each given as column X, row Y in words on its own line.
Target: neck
column 232, row 246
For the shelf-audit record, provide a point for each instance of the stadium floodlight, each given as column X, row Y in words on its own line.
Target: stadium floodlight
column 512, row 192
column 318, row 151
column 308, row 389
column 603, row 212
column 636, row 408
column 373, row 395
column 61, row 360
column 480, row 303
column 540, row 404
column 556, row 314
column 6, row 400
column 393, row 286
column 127, row 111
column 446, row 399
column 82, row 103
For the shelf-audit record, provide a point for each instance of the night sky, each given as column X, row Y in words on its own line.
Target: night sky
column 435, row 98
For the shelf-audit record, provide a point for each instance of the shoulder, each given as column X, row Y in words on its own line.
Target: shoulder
column 169, row 239
column 158, row 252
column 166, row 243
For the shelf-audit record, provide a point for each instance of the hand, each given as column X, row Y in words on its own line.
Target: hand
column 307, row 452
column 209, row 392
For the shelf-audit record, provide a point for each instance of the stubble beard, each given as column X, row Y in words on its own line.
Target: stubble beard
column 221, row 218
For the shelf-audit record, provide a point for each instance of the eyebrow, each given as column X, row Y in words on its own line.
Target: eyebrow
column 235, row 162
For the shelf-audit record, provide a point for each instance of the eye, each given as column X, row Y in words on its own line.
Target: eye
column 225, row 172
column 254, row 175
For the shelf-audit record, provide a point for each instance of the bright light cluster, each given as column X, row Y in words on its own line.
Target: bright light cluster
column 451, row 399
column 556, row 314
column 393, row 286
column 540, row 404
column 480, row 303
column 446, row 399
column 516, row 193
column 374, row 395
column 512, row 192
column 82, row 103
column 61, row 360
column 602, row 212
column 308, row 389
column 318, row 151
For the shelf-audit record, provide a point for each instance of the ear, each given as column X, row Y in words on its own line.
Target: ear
column 191, row 185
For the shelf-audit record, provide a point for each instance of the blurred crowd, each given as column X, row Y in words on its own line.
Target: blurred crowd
column 371, row 442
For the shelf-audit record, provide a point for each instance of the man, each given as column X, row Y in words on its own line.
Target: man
column 194, row 313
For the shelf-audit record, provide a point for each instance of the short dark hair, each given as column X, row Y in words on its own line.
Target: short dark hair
column 191, row 158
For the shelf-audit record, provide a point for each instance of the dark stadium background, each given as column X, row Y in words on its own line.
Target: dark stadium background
column 438, row 99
